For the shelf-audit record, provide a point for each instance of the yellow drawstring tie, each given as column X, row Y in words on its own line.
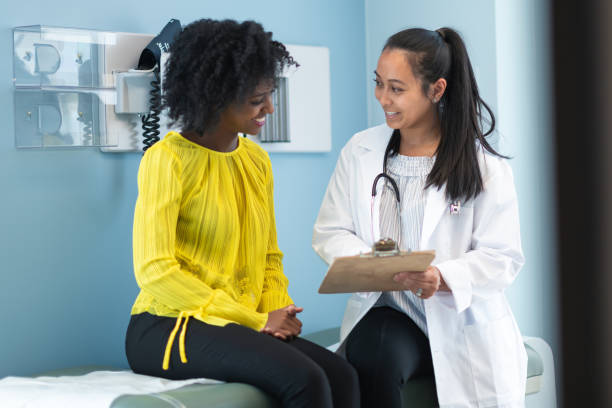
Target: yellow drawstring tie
column 199, row 312
column 166, row 363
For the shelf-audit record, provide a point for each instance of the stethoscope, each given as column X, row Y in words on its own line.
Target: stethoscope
column 386, row 176
column 454, row 207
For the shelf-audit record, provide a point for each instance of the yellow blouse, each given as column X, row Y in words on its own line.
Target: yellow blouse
column 204, row 236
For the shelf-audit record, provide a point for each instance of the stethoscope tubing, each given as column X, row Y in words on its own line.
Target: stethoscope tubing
column 374, row 185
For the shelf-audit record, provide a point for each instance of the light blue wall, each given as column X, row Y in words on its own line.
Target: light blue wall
column 66, row 282
column 524, row 86
column 507, row 42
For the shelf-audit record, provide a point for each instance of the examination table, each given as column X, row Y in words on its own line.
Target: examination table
column 420, row 392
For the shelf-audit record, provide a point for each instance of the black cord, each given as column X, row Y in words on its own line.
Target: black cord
column 150, row 121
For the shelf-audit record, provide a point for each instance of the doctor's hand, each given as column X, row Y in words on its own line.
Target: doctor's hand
column 423, row 284
column 283, row 323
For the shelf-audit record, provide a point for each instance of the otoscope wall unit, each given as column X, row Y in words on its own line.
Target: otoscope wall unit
column 79, row 88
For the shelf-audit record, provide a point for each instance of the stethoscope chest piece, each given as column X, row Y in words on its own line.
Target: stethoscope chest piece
column 385, row 247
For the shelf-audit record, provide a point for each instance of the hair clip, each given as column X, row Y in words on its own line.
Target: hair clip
column 455, row 207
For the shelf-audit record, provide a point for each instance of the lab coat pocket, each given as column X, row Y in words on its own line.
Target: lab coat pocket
column 494, row 358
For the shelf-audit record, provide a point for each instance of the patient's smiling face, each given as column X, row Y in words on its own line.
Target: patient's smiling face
column 249, row 115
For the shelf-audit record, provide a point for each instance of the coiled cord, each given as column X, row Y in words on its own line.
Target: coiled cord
column 150, row 121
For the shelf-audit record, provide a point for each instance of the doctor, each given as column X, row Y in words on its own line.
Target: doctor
column 454, row 193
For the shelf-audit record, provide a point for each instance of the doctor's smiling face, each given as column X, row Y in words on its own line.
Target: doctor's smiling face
column 400, row 92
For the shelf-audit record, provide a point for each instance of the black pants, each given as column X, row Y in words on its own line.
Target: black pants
column 387, row 348
column 298, row 373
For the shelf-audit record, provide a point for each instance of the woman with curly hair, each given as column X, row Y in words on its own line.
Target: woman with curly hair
column 213, row 301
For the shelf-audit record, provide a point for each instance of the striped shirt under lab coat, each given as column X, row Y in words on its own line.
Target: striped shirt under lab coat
column 410, row 174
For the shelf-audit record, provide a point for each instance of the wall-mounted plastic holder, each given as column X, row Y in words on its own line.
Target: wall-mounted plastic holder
column 64, row 81
column 63, row 57
column 58, row 118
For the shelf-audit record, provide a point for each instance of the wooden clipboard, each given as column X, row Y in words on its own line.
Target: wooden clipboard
column 368, row 273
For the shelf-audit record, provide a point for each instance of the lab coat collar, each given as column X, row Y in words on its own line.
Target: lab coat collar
column 376, row 138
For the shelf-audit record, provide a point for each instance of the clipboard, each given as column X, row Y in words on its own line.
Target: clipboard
column 372, row 273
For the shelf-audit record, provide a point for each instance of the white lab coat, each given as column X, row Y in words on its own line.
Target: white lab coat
column 478, row 354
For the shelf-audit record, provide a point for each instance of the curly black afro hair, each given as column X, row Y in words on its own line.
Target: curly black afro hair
column 215, row 63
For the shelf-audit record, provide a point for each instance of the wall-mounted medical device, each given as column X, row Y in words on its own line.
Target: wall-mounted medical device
column 302, row 104
column 82, row 88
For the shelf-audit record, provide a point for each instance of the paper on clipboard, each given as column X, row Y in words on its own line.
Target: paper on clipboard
column 367, row 273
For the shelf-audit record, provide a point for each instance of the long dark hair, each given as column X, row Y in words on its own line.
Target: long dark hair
column 442, row 54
